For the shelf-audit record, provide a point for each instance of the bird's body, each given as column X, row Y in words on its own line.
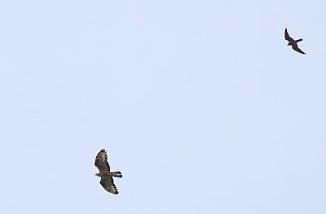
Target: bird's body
column 292, row 42
column 101, row 162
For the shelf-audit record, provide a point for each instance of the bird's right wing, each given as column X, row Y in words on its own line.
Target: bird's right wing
column 108, row 185
column 296, row 48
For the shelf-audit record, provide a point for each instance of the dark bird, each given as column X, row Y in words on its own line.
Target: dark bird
column 292, row 42
column 101, row 162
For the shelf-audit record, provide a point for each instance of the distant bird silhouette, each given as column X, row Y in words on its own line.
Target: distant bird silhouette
column 101, row 162
column 292, row 42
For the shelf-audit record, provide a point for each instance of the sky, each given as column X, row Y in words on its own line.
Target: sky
column 200, row 104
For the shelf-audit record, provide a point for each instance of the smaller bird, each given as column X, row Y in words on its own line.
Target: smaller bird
column 292, row 42
column 101, row 162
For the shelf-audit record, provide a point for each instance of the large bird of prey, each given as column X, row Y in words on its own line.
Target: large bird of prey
column 292, row 42
column 101, row 162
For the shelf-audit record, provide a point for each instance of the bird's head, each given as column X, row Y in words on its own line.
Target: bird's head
column 98, row 174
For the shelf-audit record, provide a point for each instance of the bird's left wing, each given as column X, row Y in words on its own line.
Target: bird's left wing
column 101, row 161
column 287, row 36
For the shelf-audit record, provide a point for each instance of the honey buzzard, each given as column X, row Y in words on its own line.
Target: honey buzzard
column 101, row 162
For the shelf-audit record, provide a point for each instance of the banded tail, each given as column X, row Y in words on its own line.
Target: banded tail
column 116, row 174
column 109, row 174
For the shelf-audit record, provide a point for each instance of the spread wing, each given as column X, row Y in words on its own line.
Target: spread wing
column 101, row 162
column 296, row 48
column 108, row 184
column 287, row 36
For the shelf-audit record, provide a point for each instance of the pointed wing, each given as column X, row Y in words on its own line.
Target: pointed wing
column 108, row 185
column 287, row 36
column 101, row 161
column 296, row 48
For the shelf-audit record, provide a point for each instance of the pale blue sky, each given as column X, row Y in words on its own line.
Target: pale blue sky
column 200, row 104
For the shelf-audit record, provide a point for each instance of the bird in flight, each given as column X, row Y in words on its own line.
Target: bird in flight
column 101, row 162
column 292, row 42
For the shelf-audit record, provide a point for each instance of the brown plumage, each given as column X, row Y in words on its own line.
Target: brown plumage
column 101, row 162
column 292, row 42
